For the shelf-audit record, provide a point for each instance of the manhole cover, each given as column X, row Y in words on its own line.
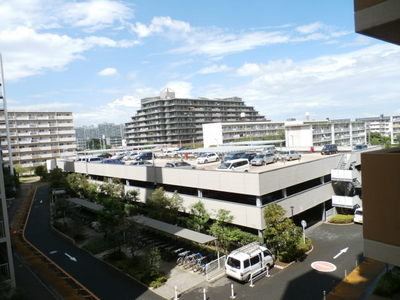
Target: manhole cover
column 323, row 266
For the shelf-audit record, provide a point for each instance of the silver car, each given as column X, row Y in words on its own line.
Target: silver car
column 263, row 159
column 179, row 164
column 289, row 155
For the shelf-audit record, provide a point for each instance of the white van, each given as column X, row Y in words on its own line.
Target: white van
column 358, row 215
column 240, row 164
column 250, row 259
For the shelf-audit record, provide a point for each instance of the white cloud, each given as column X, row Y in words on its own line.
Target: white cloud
column 96, row 14
column 159, row 25
column 182, row 89
column 310, row 28
column 218, row 42
column 248, row 69
column 51, row 106
column 108, row 72
column 214, row 69
column 344, row 85
column 27, row 52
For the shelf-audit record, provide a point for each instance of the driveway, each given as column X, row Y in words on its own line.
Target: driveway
column 300, row 281
column 104, row 281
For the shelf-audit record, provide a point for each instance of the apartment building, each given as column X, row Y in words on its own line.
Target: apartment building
column 38, row 136
column 395, row 134
column 170, row 120
column 343, row 132
column 219, row 133
column 381, row 19
column 379, row 124
column 112, row 133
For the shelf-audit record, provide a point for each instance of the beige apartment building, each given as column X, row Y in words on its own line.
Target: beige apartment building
column 380, row 170
column 38, row 136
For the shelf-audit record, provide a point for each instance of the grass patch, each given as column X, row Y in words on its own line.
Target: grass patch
column 342, row 219
column 97, row 246
column 389, row 284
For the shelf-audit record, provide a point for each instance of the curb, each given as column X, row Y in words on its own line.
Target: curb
column 339, row 224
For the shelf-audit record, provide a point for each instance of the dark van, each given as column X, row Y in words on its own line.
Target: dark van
column 145, row 156
column 329, row 149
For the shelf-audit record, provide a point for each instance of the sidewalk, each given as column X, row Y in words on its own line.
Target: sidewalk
column 354, row 286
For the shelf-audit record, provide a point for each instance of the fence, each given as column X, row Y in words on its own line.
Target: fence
column 215, row 268
column 4, row 271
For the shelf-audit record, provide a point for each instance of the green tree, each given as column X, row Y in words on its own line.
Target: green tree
column 58, row 178
column 229, row 236
column 154, row 262
column 281, row 234
column 21, row 170
column 198, row 218
column 94, row 144
column 41, row 171
column 165, row 208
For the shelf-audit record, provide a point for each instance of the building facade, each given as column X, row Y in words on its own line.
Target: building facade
column 38, row 136
column 219, row 133
column 111, row 134
column 342, row 132
column 380, row 124
column 170, row 120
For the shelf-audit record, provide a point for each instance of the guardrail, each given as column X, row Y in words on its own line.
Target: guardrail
column 215, row 268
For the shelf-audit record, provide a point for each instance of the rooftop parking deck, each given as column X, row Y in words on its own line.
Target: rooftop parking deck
column 160, row 162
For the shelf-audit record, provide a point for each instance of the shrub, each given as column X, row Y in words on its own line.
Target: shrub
column 389, row 284
column 342, row 219
column 97, row 246
column 159, row 281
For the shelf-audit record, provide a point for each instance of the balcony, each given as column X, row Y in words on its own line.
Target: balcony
column 346, row 201
column 379, row 19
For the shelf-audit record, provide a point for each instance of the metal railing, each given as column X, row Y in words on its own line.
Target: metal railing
column 215, row 268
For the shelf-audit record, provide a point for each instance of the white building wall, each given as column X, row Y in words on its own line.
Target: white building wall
column 298, row 135
column 212, row 134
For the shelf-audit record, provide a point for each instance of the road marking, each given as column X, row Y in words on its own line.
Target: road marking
column 53, row 252
column 341, row 252
column 323, row 266
column 70, row 257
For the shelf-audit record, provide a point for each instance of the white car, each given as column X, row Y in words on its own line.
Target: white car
column 207, row 157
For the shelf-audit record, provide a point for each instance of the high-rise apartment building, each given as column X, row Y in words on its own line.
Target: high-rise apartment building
column 380, row 124
column 170, row 120
column 38, row 136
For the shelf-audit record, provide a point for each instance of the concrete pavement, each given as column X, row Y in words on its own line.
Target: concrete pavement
column 299, row 281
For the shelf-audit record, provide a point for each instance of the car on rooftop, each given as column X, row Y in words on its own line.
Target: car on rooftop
column 207, row 157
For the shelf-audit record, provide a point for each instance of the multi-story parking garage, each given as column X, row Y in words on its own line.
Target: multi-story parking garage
column 303, row 188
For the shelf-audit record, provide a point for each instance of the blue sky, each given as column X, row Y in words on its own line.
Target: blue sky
column 98, row 58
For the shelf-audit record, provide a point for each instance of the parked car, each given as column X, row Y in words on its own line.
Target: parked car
column 179, row 164
column 234, row 155
column 289, row 155
column 104, row 155
column 263, row 159
column 113, row 161
column 207, row 157
column 118, row 156
column 248, row 156
column 130, row 156
column 250, row 259
column 329, row 149
column 141, row 163
column 360, row 147
column 240, row 164
column 145, row 156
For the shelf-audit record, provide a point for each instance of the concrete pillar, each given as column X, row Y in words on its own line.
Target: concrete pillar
column 258, row 202
column 199, row 193
column 284, row 193
column 260, row 235
column 323, row 212
column 322, row 179
column 333, row 132
column 127, row 182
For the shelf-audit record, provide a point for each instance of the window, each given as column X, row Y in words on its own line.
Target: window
column 246, row 263
column 255, row 260
column 267, row 253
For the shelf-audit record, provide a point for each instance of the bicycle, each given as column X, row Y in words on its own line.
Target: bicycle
column 182, row 257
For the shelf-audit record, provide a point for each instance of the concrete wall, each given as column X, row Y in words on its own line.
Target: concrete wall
column 212, row 134
column 299, row 136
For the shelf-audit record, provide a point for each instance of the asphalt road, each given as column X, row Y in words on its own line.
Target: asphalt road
column 299, row 281
column 102, row 280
